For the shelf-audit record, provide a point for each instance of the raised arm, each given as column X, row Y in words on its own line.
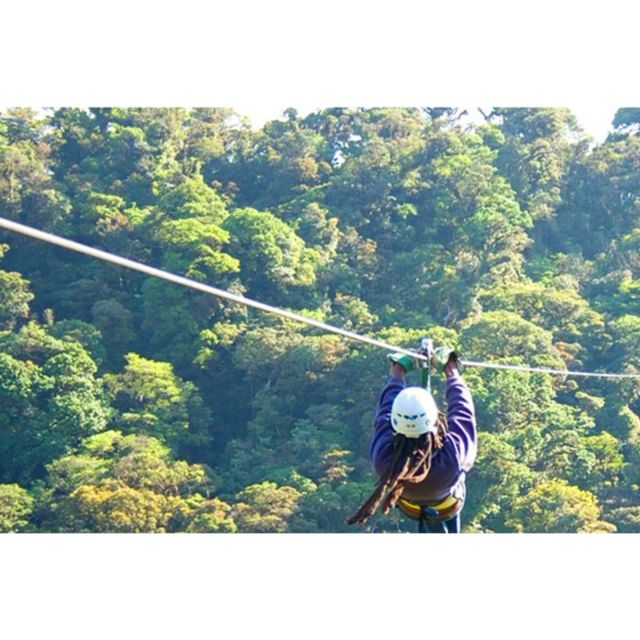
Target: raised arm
column 382, row 444
column 461, row 418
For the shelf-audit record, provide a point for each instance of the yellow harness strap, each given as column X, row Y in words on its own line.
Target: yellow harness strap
column 413, row 510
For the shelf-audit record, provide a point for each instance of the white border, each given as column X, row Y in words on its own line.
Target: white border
column 277, row 54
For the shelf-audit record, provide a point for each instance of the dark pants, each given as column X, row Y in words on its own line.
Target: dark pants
column 446, row 526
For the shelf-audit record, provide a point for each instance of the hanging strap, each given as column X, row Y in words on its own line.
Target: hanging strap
column 426, row 349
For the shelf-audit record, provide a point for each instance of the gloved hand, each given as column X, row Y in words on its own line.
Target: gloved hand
column 442, row 356
column 406, row 362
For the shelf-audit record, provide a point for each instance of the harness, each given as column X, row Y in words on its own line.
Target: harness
column 450, row 507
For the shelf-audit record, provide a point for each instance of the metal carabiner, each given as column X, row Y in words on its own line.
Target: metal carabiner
column 426, row 349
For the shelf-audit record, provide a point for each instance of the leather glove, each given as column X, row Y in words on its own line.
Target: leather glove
column 442, row 356
column 405, row 361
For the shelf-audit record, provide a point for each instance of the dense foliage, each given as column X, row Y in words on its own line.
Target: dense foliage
column 129, row 404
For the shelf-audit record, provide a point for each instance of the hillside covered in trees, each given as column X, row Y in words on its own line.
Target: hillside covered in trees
column 128, row 404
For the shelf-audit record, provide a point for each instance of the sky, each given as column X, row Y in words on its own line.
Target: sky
column 593, row 118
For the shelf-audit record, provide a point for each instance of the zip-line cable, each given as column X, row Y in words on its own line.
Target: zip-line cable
column 560, row 372
column 193, row 284
column 78, row 247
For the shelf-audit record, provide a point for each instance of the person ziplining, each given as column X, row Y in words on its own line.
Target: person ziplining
column 421, row 457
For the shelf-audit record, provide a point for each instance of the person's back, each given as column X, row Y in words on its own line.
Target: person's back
column 435, row 462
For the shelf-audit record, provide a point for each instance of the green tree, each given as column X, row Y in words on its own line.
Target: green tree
column 152, row 400
column 212, row 516
column 16, row 506
column 557, row 507
column 627, row 120
column 504, row 334
column 537, row 153
column 115, row 508
column 562, row 311
column 265, row 508
column 601, row 200
column 191, row 198
column 272, row 257
column 499, row 479
column 15, row 296
column 126, row 483
column 51, row 399
column 113, row 321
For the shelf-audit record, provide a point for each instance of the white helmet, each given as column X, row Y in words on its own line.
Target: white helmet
column 414, row 412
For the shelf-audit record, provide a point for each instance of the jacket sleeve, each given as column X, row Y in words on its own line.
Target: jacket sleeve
column 462, row 434
column 382, row 444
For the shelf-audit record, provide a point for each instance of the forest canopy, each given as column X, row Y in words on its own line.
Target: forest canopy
column 129, row 404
